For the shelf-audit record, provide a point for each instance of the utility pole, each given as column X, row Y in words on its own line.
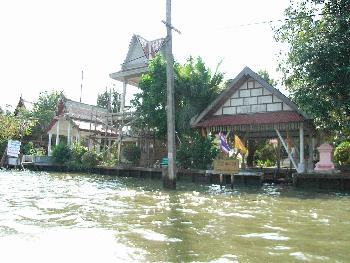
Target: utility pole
column 81, row 85
column 169, row 179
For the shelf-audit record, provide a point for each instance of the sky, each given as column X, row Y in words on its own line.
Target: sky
column 45, row 44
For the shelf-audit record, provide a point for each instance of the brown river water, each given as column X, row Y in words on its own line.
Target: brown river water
column 61, row 217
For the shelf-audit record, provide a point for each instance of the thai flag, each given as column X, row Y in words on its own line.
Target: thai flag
column 223, row 144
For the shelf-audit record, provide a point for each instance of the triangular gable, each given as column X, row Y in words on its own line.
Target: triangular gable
column 136, row 55
column 248, row 93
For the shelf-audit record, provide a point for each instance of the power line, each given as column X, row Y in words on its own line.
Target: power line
column 271, row 21
column 235, row 26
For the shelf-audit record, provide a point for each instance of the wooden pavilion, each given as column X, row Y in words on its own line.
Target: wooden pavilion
column 76, row 121
column 252, row 108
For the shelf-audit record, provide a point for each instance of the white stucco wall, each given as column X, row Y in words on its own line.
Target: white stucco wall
column 252, row 97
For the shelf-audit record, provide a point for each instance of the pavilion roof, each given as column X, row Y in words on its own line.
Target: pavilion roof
column 81, row 114
column 136, row 62
column 258, row 118
column 258, row 106
column 83, row 111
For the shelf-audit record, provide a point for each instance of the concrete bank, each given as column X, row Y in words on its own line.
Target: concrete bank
column 258, row 176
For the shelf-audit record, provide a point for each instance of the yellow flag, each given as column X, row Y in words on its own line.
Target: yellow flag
column 239, row 145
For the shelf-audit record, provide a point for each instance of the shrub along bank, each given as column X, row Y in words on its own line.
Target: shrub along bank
column 76, row 158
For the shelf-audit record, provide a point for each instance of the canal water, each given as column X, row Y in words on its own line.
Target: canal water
column 60, row 217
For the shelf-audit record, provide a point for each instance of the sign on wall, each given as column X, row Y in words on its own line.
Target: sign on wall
column 13, row 148
column 226, row 166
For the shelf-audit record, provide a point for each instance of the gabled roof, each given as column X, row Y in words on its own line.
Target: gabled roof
column 136, row 62
column 232, row 87
column 147, row 50
column 135, row 43
column 83, row 111
column 23, row 104
column 78, row 111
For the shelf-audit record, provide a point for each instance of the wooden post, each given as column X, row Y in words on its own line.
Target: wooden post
column 90, row 140
column 49, row 145
column 232, row 180
column 122, row 109
column 286, row 148
column 301, row 165
column 69, row 133
column 311, row 152
column 278, row 159
column 170, row 180
column 221, row 180
column 58, row 132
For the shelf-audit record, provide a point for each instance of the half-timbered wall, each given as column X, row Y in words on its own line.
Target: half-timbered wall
column 252, row 97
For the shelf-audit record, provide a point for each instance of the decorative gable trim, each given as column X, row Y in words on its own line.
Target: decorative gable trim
column 134, row 44
column 242, row 92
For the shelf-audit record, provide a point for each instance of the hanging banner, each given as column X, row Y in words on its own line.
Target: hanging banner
column 13, row 148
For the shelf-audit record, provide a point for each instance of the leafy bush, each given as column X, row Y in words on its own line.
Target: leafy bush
column 90, row 159
column 77, row 152
column 29, row 148
column 342, row 153
column 267, row 163
column 266, row 155
column 40, row 151
column 75, row 160
column 196, row 151
column 132, row 153
column 61, row 153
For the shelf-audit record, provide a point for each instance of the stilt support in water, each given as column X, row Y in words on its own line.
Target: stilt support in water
column 221, row 180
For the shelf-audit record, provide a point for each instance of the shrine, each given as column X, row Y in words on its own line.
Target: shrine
column 253, row 109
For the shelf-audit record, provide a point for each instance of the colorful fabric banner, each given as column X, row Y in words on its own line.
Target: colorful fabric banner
column 223, row 144
column 239, row 145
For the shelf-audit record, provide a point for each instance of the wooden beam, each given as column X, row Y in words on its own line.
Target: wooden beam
column 286, row 148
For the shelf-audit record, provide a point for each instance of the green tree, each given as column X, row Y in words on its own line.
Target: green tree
column 342, row 153
column 265, row 154
column 195, row 87
column 317, row 66
column 14, row 127
column 266, row 76
column 44, row 109
column 109, row 99
column 151, row 101
column 132, row 153
column 196, row 151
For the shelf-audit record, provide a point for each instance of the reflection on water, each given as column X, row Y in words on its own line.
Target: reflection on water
column 52, row 217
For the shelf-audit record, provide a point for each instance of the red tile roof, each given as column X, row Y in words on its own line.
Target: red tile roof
column 256, row 118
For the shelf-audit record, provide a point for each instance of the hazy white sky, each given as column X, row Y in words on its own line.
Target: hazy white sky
column 44, row 44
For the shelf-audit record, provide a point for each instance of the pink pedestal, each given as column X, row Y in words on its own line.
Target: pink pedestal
column 325, row 163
